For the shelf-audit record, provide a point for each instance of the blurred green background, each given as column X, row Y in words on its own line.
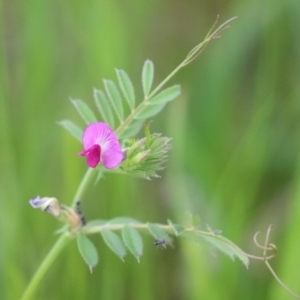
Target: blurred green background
column 235, row 129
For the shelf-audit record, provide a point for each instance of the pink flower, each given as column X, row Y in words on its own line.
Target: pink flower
column 101, row 146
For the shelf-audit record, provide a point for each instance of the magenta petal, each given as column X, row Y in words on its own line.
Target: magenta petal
column 95, row 133
column 112, row 156
column 92, row 156
column 100, row 133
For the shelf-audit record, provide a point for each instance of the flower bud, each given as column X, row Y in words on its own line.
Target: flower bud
column 146, row 156
column 47, row 204
column 64, row 213
column 140, row 157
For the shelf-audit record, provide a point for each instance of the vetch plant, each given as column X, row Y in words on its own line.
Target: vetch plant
column 110, row 145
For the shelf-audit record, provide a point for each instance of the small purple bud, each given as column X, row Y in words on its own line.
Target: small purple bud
column 47, row 204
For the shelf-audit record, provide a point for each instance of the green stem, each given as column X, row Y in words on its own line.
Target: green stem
column 62, row 241
column 170, row 229
column 190, row 57
column 83, row 185
column 45, row 265
column 280, row 282
column 59, row 245
column 127, row 121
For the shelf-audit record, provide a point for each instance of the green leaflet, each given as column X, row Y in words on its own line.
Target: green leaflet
column 99, row 175
column 72, row 128
column 114, row 242
column 63, row 229
column 219, row 242
column 87, row 250
column 227, row 247
column 110, row 104
column 166, row 95
column 194, row 219
column 147, row 76
column 177, row 228
column 115, row 98
column 133, row 241
column 85, row 112
column 126, row 87
column 158, row 233
column 104, row 107
column 150, row 110
column 132, row 129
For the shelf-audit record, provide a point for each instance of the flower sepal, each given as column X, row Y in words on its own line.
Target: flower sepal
column 145, row 156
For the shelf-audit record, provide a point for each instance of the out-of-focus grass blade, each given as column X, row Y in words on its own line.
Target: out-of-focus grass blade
column 114, row 242
column 147, row 76
column 166, row 95
column 126, row 87
column 104, row 107
column 87, row 250
column 72, row 128
column 115, row 98
column 133, row 241
column 85, row 112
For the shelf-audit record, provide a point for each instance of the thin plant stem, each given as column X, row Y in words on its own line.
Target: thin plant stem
column 280, row 282
column 127, row 121
column 59, row 244
column 64, row 238
column 190, row 57
column 83, row 185
column 45, row 265
column 169, row 229
column 270, row 247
